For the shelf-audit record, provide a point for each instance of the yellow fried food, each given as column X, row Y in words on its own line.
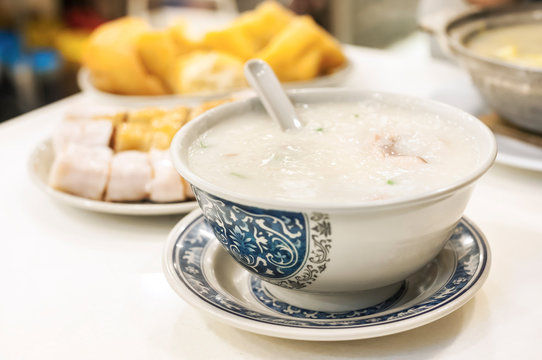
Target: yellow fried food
column 251, row 31
column 160, row 140
column 302, row 51
column 210, row 71
column 184, row 43
column 144, row 116
column 152, row 128
column 126, row 57
column 132, row 136
column 232, row 40
column 149, row 128
column 177, row 116
column 264, row 22
column 164, row 127
column 158, row 52
column 332, row 55
column 111, row 57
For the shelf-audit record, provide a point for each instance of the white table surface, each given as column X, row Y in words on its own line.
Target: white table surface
column 83, row 285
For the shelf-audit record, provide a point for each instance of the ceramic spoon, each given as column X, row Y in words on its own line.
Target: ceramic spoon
column 263, row 80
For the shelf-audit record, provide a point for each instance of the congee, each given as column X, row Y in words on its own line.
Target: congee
column 346, row 153
column 519, row 44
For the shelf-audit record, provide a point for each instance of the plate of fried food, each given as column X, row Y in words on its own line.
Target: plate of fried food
column 117, row 163
column 126, row 61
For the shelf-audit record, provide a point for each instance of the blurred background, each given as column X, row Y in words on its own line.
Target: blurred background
column 41, row 41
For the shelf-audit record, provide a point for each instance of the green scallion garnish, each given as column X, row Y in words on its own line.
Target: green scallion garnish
column 241, row 176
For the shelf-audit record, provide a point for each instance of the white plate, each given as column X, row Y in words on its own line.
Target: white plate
column 40, row 163
column 204, row 275
column 519, row 154
column 85, row 84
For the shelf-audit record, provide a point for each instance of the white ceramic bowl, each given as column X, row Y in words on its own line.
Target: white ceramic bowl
column 327, row 256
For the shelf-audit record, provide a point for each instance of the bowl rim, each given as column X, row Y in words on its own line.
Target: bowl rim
column 178, row 143
column 459, row 48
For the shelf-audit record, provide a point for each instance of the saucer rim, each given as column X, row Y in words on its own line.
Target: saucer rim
column 318, row 334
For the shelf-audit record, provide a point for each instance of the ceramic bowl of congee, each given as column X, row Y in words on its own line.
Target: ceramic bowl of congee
column 334, row 216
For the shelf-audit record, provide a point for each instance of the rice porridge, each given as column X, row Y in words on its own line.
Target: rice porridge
column 518, row 44
column 347, row 152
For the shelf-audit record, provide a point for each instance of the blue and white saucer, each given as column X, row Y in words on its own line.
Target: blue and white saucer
column 204, row 275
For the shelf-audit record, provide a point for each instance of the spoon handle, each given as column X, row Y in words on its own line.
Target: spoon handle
column 263, row 80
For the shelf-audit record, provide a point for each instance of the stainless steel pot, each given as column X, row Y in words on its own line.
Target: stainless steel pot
column 513, row 91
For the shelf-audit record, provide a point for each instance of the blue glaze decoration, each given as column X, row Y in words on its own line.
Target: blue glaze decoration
column 266, row 299
column 275, row 245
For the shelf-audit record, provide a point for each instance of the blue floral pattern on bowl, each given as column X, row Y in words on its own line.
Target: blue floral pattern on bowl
column 286, row 248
